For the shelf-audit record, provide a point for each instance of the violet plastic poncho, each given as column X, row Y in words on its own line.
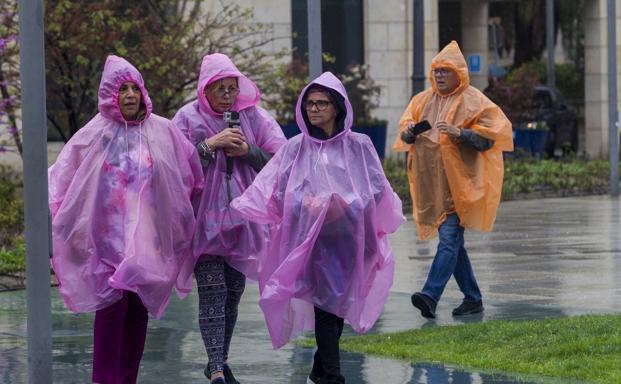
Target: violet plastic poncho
column 220, row 230
column 120, row 199
column 332, row 208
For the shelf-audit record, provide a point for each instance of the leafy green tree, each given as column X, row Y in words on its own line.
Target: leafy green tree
column 164, row 39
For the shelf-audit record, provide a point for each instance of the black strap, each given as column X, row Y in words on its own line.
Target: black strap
column 229, row 174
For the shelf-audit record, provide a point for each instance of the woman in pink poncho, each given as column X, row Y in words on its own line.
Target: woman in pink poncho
column 328, row 259
column 122, row 219
column 235, row 138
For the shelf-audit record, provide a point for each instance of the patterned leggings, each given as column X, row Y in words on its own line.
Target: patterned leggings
column 220, row 288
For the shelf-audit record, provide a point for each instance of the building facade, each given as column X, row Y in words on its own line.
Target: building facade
column 380, row 33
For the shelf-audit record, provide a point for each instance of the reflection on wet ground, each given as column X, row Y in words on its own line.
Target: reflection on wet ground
column 547, row 258
column 174, row 349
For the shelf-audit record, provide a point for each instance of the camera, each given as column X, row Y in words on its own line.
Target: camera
column 232, row 118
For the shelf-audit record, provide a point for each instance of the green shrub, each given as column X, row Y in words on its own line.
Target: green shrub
column 13, row 260
column 547, row 178
column 527, row 177
column 11, row 208
column 396, row 173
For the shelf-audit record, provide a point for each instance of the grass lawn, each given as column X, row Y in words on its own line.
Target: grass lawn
column 585, row 348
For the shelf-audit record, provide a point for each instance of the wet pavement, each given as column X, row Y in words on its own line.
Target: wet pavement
column 546, row 258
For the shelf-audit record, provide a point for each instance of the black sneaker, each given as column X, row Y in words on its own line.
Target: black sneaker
column 468, row 307
column 228, row 375
column 426, row 304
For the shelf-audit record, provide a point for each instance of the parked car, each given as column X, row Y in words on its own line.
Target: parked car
column 552, row 113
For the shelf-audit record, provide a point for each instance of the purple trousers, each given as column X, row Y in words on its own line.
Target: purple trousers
column 120, row 332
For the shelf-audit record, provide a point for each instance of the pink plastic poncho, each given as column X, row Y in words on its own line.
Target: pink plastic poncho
column 332, row 208
column 220, row 230
column 120, row 198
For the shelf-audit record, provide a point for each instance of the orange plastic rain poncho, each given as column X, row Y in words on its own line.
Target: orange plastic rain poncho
column 446, row 175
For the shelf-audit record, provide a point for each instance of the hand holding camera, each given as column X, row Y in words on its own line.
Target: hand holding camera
column 231, row 140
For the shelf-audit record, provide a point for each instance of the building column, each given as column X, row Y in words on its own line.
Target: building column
column 388, row 51
column 474, row 44
column 432, row 37
column 596, row 77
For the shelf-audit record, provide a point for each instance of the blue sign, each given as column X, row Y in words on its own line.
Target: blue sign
column 474, row 63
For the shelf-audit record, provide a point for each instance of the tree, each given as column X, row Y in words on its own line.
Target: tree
column 164, row 39
column 9, row 76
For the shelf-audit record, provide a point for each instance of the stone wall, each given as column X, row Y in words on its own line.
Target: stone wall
column 596, row 76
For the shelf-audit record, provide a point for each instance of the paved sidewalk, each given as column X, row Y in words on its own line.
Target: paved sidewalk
column 546, row 258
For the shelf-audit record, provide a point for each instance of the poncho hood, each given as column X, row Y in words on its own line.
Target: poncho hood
column 451, row 57
column 218, row 66
column 117, row 71
column 327, row 80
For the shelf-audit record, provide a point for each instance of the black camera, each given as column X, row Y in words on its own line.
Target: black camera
column 232, row 118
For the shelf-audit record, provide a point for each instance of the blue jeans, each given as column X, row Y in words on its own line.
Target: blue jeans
column 451, row 259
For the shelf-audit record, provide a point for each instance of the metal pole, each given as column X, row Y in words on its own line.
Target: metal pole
column 613, row 116
column 418, row 51
column 32, row 70
column 495, row 42
column 550, row 42
column 314, row 38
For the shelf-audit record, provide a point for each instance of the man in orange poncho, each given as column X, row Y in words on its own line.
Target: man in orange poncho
column 454, row 137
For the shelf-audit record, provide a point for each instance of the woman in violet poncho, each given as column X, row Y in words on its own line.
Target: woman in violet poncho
column 122, row 219
column 328, row 259
column 232, row 153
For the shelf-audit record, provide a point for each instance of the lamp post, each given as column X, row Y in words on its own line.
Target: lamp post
column 314, row 38
column 550, row 42
column 38, row 307
column 613, row 116
column 418, row 49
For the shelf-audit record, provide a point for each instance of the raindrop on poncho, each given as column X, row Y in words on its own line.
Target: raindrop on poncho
column 120, row 198
column 331, row 208
column 220, row 230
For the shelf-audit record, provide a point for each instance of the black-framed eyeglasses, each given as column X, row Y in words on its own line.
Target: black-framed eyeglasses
column 441, row 71
column 321, row 105
column 221, row 91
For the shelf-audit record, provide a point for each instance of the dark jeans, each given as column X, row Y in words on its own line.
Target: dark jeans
column 326, row 362
column 120, row 333
column 451, row 259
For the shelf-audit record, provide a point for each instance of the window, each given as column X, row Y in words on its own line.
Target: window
column 342, row 32
column 449, row 21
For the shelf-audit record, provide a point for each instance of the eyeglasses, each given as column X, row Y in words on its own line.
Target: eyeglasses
column 221, row 91
column 441, row 71
column 320, row 104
